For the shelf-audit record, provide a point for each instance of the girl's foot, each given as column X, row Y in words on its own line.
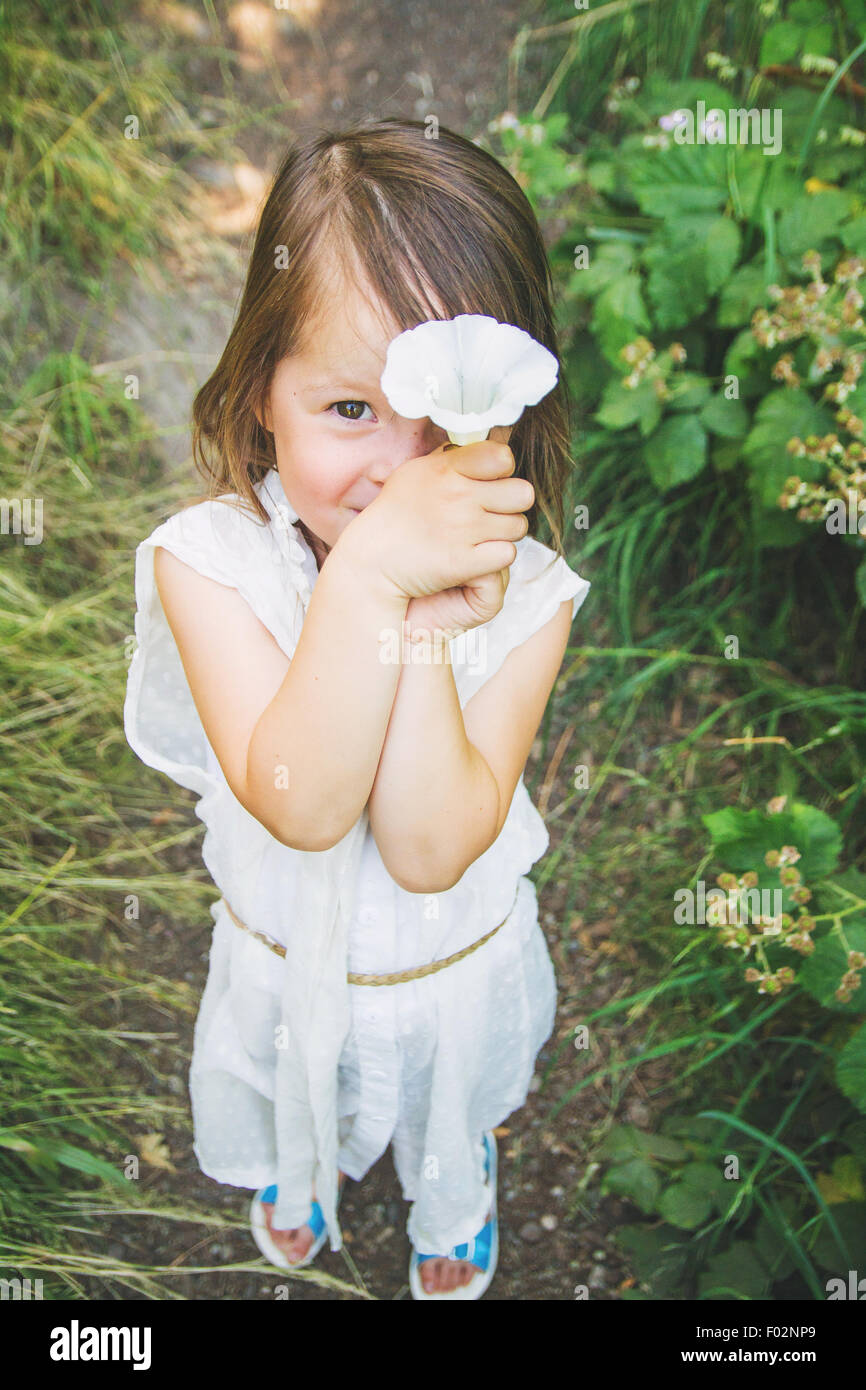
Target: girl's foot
column 293, row 1244
column 442, row 1275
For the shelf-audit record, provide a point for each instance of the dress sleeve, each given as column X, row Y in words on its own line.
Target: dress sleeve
column 161, row 722
column 539, row 582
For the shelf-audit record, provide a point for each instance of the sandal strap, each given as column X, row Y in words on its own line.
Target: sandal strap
column 477, row 1250
column 316, row 1221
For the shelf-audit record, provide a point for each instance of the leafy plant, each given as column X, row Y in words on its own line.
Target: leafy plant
column 685, row 1176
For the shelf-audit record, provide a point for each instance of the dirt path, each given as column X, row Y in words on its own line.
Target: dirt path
column 342, row 60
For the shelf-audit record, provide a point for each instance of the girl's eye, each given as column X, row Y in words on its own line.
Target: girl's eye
column 353, row 405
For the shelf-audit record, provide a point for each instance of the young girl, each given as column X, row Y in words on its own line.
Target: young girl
column 377, row 971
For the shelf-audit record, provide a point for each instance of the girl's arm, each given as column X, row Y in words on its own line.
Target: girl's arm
column 324, row 729
column 446, row 777
column 298, row 740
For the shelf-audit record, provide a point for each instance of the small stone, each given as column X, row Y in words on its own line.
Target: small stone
column 599, row 1255
column 596, row 1278
column 557, row 1191
column 175, row 1085
column 534, row 1084
column 530, row 1231
column 549, row 1223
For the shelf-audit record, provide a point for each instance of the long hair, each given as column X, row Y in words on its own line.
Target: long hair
column 410, row 211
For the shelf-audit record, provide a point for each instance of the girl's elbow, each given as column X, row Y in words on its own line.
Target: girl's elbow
column 310, row 836
column 426, row 879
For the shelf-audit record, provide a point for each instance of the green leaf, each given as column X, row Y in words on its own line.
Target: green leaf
column 623, row 1141
column 736, row 1271
column 620, row 315
column 635, row 1179
column 676, row 285
column 676, row 452
column 661, row 1146
column 780, row 416
column 822, row 971
column 707, row 1177
column 851, row 1220
column 684, row 1206
column 729, row 418
column 741, row 296
column 601, row 175
column 723, row 242
column 608, row 262
column 742, row 361
column 679, row 180
column 853, row 236
column 725, row 455
column 774, row 530
column 780, row 43
column 696, row 1128
column 658, row 1256
column 622, row 406
column 678, row 270
column 689, row 391
column 819, row 39
column 742, row 838
column 851, row 1068
column 810, row 219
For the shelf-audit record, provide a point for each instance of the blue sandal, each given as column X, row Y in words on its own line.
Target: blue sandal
column 482, row 1251
column 262, row 1236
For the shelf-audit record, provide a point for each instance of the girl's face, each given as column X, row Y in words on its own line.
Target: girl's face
column 336, row 438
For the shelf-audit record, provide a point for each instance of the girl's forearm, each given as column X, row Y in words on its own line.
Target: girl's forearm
column 434, row 806
column 313, row 754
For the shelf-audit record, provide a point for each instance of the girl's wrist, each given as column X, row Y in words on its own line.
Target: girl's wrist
column 350, row 560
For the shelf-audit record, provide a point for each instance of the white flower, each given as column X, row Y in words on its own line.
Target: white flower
column 466, row 374
column 507, row 121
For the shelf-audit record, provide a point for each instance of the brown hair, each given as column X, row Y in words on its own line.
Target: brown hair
column 407, row 209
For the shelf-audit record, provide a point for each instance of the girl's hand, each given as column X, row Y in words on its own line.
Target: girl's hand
column 456, row 610
column 445, row 521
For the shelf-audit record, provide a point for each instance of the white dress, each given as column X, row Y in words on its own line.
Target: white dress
column 427, row 1064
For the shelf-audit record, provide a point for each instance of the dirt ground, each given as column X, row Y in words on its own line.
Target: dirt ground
column 340, row 60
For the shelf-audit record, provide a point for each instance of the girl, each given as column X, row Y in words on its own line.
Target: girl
column 377, row 971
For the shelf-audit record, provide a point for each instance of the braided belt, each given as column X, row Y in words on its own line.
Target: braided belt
column 396, row 976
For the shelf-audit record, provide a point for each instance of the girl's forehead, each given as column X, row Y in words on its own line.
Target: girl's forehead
column 347, row 331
